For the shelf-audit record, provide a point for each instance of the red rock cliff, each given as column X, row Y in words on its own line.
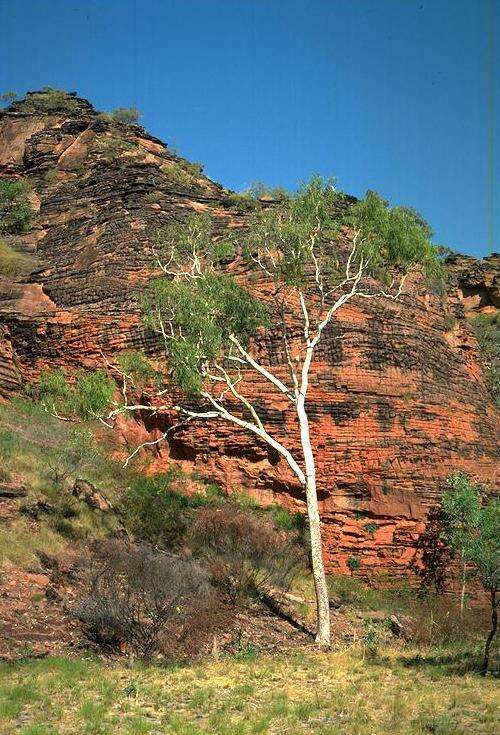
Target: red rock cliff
column 395, row 407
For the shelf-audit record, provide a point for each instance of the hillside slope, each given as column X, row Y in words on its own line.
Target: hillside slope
column 399, row 406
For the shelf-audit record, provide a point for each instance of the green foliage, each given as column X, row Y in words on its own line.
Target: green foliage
column 243, row 202
column 88, row 397
column 353, row 563
column 461, row 505
column 259, row 190
column 286, row 521
column 16, row 212
column 79, row 449
column 192, row 167
column 371, row 528
column 51, row 175
column 13, row 264
column 49, row 100
column 204, row 311
column 126, row 115
column 303, row 231
column 392, row 237
column 156, row 510
column 112, row 147
column 472, row 527
column 487, row 329
column 207, row 311
column 137, row 368
column 177, row 173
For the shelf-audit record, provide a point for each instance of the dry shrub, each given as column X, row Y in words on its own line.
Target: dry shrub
column 150, row 602
column 436, row 621
column 245, row 554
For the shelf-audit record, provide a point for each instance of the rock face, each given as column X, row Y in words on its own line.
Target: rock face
column 394, row 408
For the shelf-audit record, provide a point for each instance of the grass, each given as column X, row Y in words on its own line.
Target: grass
column 12, row 263
column 405, row 692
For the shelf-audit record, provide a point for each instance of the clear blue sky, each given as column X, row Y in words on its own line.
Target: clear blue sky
column 392, row 95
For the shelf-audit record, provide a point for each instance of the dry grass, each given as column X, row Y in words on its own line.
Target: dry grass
column 334, row 694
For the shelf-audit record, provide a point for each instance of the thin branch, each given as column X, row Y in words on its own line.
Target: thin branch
column 261, row 369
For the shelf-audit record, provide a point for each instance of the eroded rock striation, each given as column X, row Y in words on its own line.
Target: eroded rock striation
column 395, row 407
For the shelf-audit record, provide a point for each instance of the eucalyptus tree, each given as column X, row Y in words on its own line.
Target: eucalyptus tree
column 315, row 254
column 471, row 529
column 315, row 251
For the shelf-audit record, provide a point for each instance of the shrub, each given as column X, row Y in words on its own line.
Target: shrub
column 242, row 202
column 77, row 451
column 192, row 167
column 259, row 190
column 87, row 398
column 353, row 563
column 111, row 148
column 126, row 115
column 487, row 329
column 13, row 264
column 246, row 554
column 16, row 212
column 51, row 175
column 154, row 602
column 286, row 521
column 49, row 100
column 155, row 511
column 177, row 174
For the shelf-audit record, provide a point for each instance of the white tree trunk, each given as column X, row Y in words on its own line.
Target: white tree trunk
column 318, row 568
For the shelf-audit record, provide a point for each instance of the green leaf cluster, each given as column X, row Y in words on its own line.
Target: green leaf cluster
column 396, row 237
column 203, row 312
column 89, row 397
column 472, row 527
column 16, row 212
column 304, row 231
column 137, row 368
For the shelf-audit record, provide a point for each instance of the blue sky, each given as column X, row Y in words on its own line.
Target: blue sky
column 392, row 95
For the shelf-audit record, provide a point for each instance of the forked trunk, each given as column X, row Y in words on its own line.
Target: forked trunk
column 320, row 585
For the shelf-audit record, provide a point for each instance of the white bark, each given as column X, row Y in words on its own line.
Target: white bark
column 299, row 364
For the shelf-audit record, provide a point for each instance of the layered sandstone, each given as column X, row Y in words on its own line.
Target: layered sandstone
column 395, row 406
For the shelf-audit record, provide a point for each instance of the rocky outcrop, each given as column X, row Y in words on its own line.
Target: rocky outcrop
column 395, row 407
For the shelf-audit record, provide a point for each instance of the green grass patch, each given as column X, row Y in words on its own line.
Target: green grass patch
column 334, row 694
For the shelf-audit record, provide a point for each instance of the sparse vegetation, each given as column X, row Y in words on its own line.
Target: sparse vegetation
column 177, row 174
column 151, row 601
column 487, row 328
column 16, row 212
column 51, row 176
column 13, row 264
column 246, row 553
column 157, row 511
column 411, row 692
column 49, row 100
column 111, row 147
column 126, row 115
